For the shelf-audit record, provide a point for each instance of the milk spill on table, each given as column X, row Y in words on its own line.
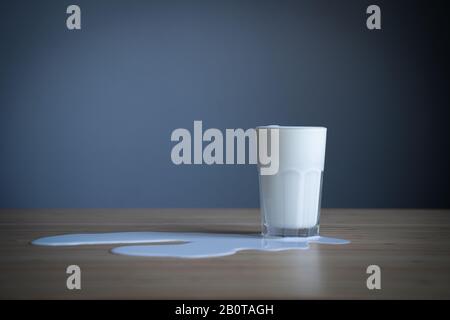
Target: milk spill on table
column 194, row 245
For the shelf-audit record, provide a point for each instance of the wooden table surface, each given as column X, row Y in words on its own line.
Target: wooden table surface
column 412, row 247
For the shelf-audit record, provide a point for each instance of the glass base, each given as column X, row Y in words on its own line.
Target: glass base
column 286, row 232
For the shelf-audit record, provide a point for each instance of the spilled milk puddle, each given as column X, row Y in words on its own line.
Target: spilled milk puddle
column 194, row 245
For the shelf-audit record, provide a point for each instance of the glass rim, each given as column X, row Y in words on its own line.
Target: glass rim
column 291, row 127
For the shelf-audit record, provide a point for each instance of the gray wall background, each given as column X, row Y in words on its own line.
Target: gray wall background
column 86, row 116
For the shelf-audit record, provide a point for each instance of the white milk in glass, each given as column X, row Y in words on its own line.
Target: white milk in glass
column 290, row 199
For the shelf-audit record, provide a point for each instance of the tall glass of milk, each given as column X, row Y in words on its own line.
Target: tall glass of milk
column 290, row 198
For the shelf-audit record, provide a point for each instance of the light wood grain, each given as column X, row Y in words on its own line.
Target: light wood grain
column 412, row 247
